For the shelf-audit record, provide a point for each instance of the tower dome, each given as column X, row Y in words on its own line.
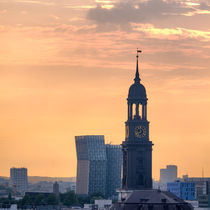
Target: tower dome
column 137, row 90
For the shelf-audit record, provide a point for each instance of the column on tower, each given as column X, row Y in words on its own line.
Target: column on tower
column 143, row 111
column 130, row 111
column 137, row 110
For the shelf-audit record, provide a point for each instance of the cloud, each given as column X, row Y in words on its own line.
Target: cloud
column 42, row 13
column 171, row 33
column 133, row 11
column 34, row 2
column 205, row 6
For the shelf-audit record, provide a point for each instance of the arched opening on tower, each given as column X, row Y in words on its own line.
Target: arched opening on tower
column 137, row 110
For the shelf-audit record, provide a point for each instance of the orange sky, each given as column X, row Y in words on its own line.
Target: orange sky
column 65, row 70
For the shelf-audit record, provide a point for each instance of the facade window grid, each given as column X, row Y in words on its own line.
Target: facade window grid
column 105, row 164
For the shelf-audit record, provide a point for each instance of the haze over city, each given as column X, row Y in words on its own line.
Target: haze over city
column 65, row 70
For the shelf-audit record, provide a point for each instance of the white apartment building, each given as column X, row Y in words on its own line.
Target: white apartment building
column 19, row 179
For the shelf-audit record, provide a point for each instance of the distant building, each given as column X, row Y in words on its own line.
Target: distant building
column 183, row 190
column 8, row 206
column 46, row 186
column 201, row 188
column 159, row 185
column 56, row 189
column 103, row 204
column 4, row 181
column 202, row 185
column 19, row 179
column 204, row 201
column 98, row 166
column 91, row 165
column 114, row 164
column 168, row 174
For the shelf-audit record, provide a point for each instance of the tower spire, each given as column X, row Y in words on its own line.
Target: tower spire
column 137, row 78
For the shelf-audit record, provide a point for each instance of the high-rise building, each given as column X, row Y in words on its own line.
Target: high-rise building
column 98, row 166
column 56, row 189
column 137, row 148
column 168, row 174
column 114, row 164
column 19, row 179
column 91, row 165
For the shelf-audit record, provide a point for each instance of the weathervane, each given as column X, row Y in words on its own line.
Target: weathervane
column 137, row 52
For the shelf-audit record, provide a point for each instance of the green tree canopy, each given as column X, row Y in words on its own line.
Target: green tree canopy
column 52, row 200
column 70, row 198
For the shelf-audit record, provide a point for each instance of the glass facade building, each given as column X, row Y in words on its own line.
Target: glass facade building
column 98, row 166
column 114, row 164
column 183, row 190
column 91, row 165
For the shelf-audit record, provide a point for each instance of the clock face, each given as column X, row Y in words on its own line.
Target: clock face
column 140, row 131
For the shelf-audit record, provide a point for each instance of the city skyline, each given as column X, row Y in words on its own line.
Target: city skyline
column 65, row 69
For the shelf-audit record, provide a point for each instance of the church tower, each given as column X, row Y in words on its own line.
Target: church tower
column 137, row 148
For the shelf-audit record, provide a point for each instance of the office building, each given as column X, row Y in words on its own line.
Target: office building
column 183, row 190
column 91, row 165
column 114, row 162
column 19, row 179
column 168, row 174
column 202, row 185
column 98, row 166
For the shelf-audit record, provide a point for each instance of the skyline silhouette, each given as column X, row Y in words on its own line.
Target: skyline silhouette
column 65, row 69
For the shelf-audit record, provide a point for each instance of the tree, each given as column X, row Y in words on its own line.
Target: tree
column 96, row 196
column 83, row 199
column 52, row 200
column 70, row 198
column 26, row 200
column 39, row 200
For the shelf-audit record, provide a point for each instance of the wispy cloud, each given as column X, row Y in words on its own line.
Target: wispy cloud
column 80, row 6
column 172, row 33
column 48, row 3
column 133, row 11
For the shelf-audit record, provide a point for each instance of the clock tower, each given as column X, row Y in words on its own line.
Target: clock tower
column 137, row 148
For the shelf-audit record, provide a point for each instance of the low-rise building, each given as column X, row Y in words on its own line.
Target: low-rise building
column 204, row 201
column 183, row 190
column 103, row 204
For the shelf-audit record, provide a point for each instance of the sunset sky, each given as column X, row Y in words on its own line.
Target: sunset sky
column 65, row 70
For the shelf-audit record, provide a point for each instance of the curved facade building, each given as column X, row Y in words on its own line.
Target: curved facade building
column 98, row 166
